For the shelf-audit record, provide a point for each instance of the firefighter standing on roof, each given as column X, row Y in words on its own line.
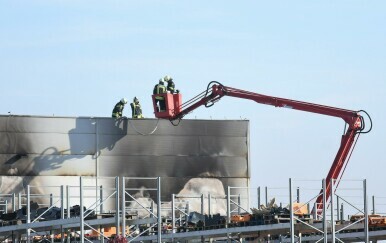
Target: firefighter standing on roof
column 160, row 100
column 136, row 111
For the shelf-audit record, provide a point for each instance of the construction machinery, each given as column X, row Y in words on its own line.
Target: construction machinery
column 354, row 121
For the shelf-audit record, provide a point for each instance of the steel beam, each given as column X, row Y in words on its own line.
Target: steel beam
column 81, row 210
column 324, row 212
column 117, row 205
column 123, row 196
column 366, row 229
column 292, row 227
column 332, row 211
column 159, row 221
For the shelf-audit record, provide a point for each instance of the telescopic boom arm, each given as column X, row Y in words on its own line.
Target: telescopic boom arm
column 354, row 121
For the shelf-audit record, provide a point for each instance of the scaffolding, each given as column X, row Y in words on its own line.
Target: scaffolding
column 138, row 214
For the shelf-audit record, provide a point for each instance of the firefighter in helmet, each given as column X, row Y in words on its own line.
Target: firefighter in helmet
column 171, row 85
column 118, row 108
column 136, row 111
column 160, row 100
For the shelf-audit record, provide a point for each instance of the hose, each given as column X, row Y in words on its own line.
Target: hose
column 143, row 134
column 175, row 123
column 363, row 124
column 197, row 97
column 207, row 105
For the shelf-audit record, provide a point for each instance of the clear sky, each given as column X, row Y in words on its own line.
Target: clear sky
column 78, row 58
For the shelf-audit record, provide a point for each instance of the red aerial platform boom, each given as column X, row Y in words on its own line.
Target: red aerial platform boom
column 175, row 110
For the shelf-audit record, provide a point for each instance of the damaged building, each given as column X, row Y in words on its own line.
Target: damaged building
column 195, row 157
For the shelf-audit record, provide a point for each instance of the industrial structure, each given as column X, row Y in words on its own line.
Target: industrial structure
column 38, row 150
column 138, row 220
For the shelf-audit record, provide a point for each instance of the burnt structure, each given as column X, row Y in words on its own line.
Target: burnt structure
column 37, row 150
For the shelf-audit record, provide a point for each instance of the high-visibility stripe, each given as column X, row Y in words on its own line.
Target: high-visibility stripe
column 161, row 89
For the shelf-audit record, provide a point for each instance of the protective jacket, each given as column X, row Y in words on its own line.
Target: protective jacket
column 159, row 89
column 136, row 111
column 118, row 109
column 171, row 87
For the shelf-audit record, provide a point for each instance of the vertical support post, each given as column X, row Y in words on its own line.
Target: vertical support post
column 28, row 213
column 187, row 210
column 239, row 204
column 202, row 212
column 228, row 211
column 324, row 212
column 332, row 211
column 101, row 198
column 173, row 213
column 337, row 208
column 292, row 228
column 366, row 211
column 102, row 238
column 341, row 213
column 258, row 198
column 315, row 211
column 202, row 204
column 266, row 196
column 209, row 202
column 19, row 200
column 68, row 212
column 248, row 199
column 51, row 199
column 117, row 205
column 62, row 202
column 97, row 147
column 123, row 196
column 152, row 209
column 68, row 201
column 159, row 209
column 6, row 206
column 229, row 205
column 298, row 195
column 13, row 202
column 81, row 210
column 373, row 203
column 62, row 212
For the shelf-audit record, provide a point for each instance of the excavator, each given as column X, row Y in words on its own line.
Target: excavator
column 354, row 121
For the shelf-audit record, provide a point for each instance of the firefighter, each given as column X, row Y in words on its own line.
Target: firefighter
column 171, row 85
column 118, row 108
column 136, row 111
column 160, row 100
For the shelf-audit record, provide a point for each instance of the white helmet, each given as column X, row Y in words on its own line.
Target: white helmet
column 124, row 101
column 161, row 80
column 167, row 78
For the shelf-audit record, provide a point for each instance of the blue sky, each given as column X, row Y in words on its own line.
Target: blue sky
column 78, row 58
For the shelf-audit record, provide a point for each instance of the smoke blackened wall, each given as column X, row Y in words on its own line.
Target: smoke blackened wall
column 45, row 149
